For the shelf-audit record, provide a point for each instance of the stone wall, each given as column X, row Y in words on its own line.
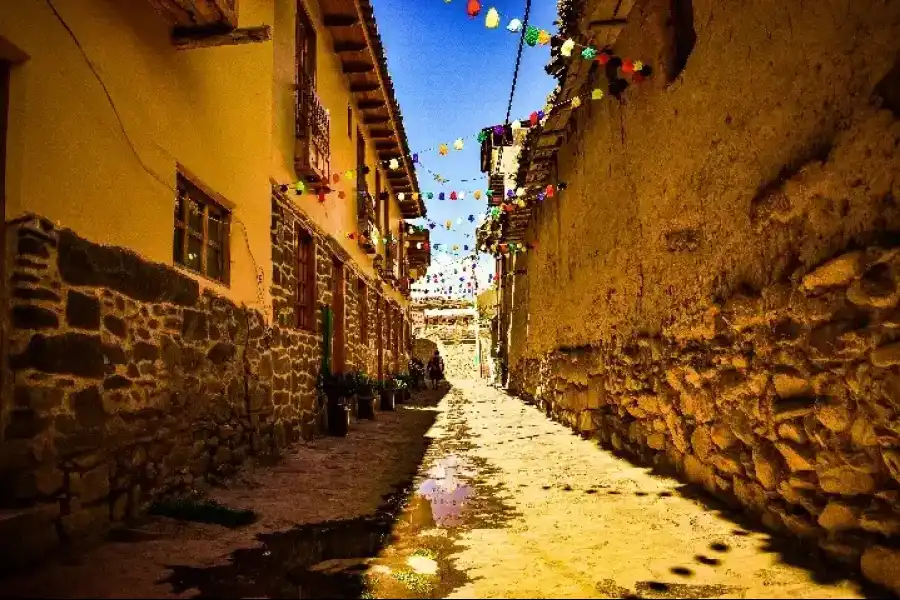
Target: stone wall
column 697, row 317
column 125, row 382
column 787, row 401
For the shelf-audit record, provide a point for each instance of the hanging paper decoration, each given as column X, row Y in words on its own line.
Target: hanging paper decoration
column 341, row 194
column 589, row 53
column 482, row 135
column 458, row 144
column 441, row 196
column 443, row 150
column 448, row 224
column 430, row 195
column 544, row 37
column 514, row 26
column 462, row 196
column 432, row 225
column 401, row 197
column 459, row 221
column 567, row 47
column 520, row 192
column 473, row 9
column 348, row 174
column 549, row 191
column 477, row 194
column 351, row 235
column 322, row 195
column 534, row 118
column 561, row 185
column 455, row 248
column 300, row 187
column 394, row 164
column 453, row 195
column 471, row 218
column 576, row 101
column 335, row 178
column 366, row 170
column 597, row 94
column 516, row 126
column 418, row 245
column 628, row 66
column 532, row 34
column 492, row 20
column 416, row 196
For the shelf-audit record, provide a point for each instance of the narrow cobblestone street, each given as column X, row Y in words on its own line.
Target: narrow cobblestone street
column 505, row 503
column 550, row 515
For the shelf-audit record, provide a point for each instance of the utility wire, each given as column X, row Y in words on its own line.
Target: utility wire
column 258, row 271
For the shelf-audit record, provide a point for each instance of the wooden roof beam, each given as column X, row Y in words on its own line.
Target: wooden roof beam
column 357, row 66
column 340, row 20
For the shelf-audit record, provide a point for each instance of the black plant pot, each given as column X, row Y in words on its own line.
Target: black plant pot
column 365, row 406
column 401, row 396
column 338, row 417
column 387, row 399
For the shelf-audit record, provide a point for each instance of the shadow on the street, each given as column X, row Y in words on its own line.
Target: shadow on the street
column 822, row 568
column 279, row 566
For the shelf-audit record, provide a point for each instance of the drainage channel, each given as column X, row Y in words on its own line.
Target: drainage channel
column 402, row 551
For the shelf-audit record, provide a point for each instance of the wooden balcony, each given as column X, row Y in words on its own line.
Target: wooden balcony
column 312, row 154
column 199, row 14
column 366, row 224
column 206, row 23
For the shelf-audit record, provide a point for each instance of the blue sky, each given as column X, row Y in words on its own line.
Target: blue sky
column 452, row 77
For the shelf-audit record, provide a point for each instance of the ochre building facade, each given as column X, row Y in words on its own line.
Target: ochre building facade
column 169, row 284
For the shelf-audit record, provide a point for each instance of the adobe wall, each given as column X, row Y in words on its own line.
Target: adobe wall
column 700, row 320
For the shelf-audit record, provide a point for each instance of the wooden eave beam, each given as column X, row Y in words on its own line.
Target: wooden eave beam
column 349, row 46
column 376, row 120
column 357, row 66
column 189, row 40
column 363, row 87
column 340, row 20
column 370, row 104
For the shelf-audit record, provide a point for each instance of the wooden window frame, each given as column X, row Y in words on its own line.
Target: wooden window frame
column 305, row 278
column 189, row 188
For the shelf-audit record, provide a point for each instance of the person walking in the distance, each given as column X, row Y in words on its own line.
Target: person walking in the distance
column 436, row 369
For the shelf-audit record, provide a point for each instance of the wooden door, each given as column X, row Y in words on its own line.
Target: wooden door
column 338, row 353
column 379, row 335
column 4, row 114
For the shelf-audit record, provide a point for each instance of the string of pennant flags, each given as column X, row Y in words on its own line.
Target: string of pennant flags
column 637, row 69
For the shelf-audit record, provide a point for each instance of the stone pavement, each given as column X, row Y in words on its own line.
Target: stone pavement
column 504, row 504
column 547, row 514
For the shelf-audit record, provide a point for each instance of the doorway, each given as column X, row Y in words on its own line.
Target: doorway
column 338, row 355
column 5, row 68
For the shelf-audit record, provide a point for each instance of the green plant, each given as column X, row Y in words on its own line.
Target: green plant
column 364, row 384
column 188, row 508
column 389, row 384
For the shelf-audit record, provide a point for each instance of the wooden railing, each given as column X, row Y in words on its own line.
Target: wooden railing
column 312, row 159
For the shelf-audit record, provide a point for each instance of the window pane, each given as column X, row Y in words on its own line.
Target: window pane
column 214, row 266
column 194, row 249
column 195, row 218
column 178, row 249
column 179, row 206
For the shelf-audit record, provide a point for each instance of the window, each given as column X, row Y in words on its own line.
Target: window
column 306, row 279
column 363, row 302
column 378, row 200
column 202, row 230
column 305, row 48
column 685, row 36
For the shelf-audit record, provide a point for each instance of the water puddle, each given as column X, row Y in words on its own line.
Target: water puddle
column 402, row 551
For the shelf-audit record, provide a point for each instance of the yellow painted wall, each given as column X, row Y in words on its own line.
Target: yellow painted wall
column 208, row 109
column 336, row 216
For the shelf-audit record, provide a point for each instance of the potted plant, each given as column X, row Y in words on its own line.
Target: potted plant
column 402, row 389
column 365, row 397
column 386, row 389
column 337, row 409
